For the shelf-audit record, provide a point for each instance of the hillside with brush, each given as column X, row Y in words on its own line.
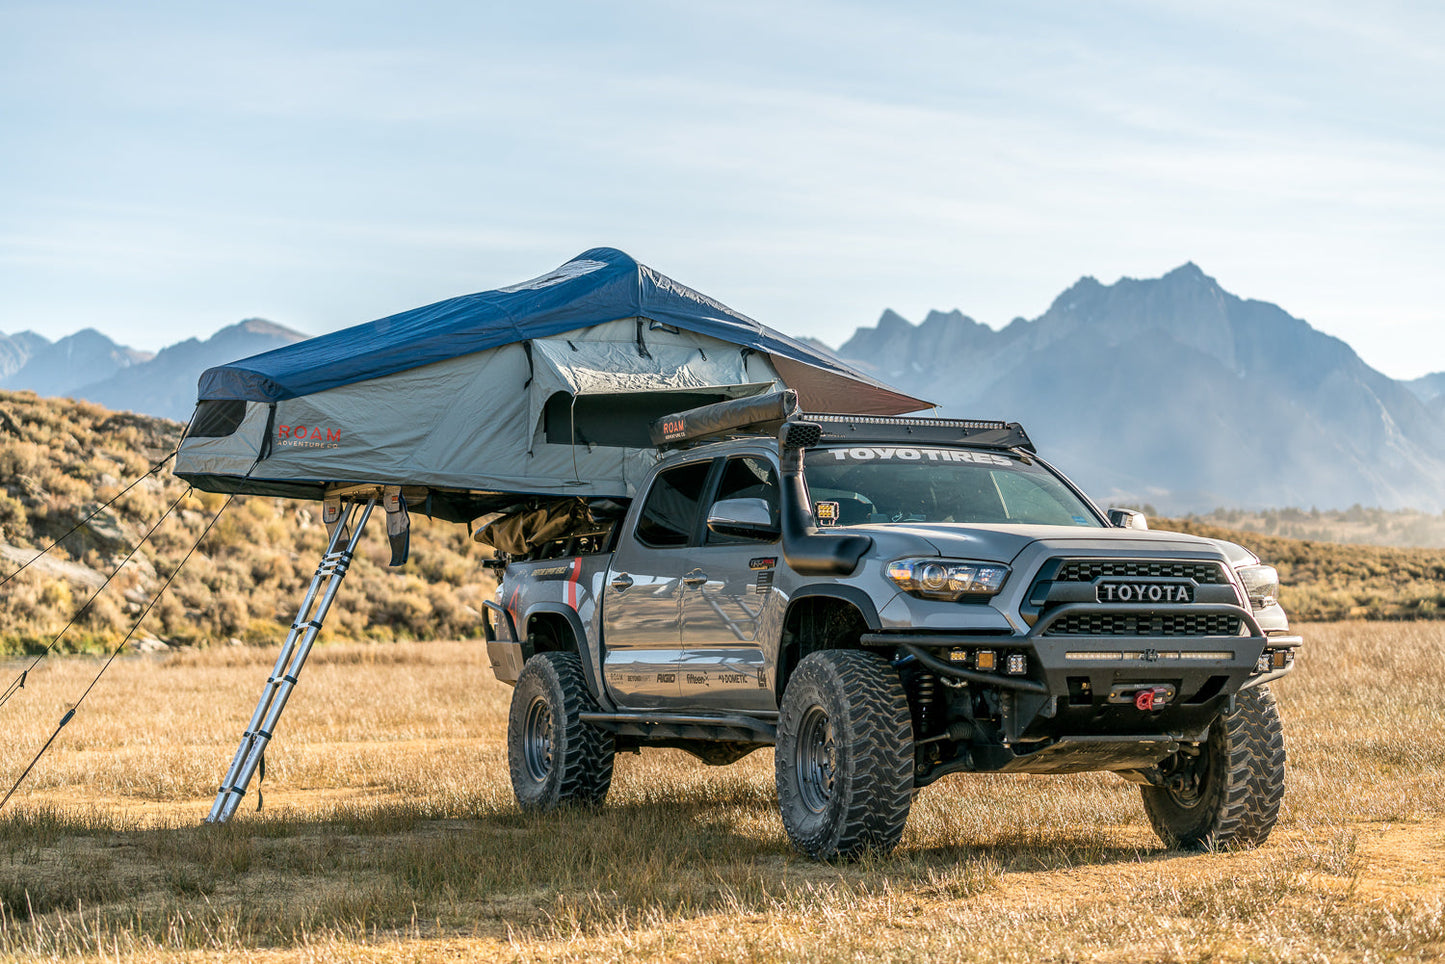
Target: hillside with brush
column 62, row 460
column 1325, row 581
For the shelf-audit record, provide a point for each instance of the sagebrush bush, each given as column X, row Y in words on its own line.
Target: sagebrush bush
column 244, row 581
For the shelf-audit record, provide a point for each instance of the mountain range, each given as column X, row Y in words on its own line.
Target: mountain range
column 91, row 366
column 1174, row 392
column 1169, row 391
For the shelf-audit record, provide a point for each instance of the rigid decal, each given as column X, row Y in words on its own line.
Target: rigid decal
column 888, row 454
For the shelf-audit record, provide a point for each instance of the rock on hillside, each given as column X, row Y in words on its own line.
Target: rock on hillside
column 1175, row 392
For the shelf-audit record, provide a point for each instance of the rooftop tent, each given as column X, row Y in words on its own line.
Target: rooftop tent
column 541, row 388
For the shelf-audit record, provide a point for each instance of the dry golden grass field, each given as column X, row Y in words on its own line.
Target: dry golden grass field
column 389, row 833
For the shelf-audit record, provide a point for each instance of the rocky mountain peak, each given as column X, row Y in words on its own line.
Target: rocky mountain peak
column 264, row 328
column 1174, row 391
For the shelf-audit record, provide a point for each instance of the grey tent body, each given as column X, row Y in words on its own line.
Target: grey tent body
column 564, row 414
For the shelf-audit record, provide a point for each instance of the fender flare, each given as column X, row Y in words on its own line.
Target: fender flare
column 859, row 599
column 588, row 653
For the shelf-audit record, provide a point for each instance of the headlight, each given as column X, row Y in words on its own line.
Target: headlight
column 946, row 578
column 1261, row 585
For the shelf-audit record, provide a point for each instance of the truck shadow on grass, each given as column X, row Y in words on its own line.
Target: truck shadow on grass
column 473, row 866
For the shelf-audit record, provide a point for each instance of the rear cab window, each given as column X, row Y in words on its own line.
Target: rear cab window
column 669, row 517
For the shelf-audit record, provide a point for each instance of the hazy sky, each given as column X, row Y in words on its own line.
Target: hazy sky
column 170, row 168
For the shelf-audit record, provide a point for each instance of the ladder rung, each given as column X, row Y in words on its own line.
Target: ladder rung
column 327, row 582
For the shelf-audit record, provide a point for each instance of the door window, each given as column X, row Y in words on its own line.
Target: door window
column 747, row 477
column 669, row 516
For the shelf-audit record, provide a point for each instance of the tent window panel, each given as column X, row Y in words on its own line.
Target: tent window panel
column 217, row 418
column 615, row 420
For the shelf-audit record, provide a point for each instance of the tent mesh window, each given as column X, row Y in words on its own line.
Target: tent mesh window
column 615, row 420
column 217, row 418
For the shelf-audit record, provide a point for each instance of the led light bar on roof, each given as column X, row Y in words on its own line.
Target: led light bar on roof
column 935, row 431
column 961, row 423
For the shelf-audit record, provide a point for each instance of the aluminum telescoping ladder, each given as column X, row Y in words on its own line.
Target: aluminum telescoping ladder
column 293, row 656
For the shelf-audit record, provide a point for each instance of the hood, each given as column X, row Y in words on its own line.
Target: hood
column 1003, row 543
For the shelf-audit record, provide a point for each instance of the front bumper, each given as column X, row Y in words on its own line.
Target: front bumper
column 1086, row 686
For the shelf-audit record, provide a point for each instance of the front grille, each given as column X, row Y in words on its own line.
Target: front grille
column 1087, row 570
column 1145, row 624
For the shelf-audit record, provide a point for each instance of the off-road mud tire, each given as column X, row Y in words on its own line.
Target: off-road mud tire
column 554, row 757
column 844, row 758
column 1241, row 782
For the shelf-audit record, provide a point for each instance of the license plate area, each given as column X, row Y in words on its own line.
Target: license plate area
column 1152, row 592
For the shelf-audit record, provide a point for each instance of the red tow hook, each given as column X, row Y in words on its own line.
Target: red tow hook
column 1144, row 699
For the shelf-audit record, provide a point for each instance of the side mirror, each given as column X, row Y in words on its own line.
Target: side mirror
column 1127, row 519
column 749, row 518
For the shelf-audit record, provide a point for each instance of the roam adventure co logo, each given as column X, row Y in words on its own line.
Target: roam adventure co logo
column 311, row 437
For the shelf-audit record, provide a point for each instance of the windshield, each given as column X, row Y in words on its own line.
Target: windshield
column 855, row 486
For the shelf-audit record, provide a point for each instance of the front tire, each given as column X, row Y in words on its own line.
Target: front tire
column 1228, row 796
column 844, row 759
column 554, row 757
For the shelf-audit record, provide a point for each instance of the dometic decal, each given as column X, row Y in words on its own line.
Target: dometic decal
column 308, row 436
column 917, row 455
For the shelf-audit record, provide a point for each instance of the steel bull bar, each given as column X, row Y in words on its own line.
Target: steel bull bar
column 1051, row 660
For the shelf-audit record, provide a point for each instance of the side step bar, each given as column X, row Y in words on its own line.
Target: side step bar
column 746, row 729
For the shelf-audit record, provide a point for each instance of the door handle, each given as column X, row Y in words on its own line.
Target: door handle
column 621, row 581
column 694, row 579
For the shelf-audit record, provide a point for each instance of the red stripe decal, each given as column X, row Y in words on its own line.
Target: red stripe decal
column 573, row 581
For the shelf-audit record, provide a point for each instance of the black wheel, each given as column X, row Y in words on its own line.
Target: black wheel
column 1227, row 794
column 844, row 755
column 554, row 757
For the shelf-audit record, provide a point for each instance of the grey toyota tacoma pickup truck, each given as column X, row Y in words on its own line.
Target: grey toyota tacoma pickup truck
column 885, row 601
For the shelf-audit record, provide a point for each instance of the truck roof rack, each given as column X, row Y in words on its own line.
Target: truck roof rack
column 766, row 414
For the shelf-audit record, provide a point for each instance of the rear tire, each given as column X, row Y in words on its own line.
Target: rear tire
column 844, row 759
column 554, row 757
column 1228, row 796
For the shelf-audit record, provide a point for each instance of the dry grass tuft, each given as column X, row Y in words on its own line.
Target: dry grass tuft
column 389, row 833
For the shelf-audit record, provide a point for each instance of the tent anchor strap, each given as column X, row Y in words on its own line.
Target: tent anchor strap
column 304, row 630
